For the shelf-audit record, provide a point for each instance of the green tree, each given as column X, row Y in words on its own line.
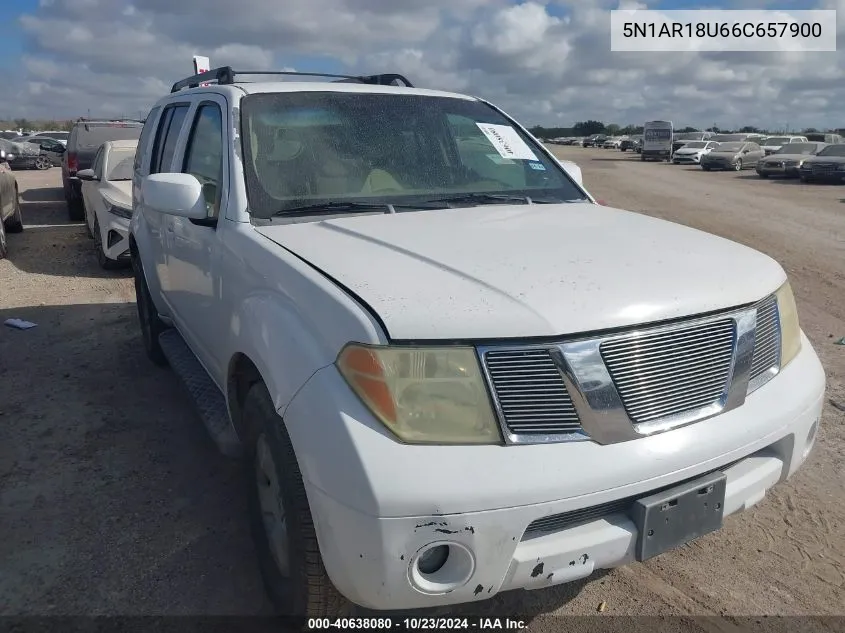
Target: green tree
column 586, row 128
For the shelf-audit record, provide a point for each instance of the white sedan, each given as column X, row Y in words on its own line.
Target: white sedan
column 107, row 195
column 691, row 153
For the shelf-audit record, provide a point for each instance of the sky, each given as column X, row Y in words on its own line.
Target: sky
column 544, row 62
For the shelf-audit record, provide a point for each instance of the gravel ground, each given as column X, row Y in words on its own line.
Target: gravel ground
column 114, row 501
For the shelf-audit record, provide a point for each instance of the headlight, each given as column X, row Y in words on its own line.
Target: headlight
column 10, row 157
column 424, row 395
column 790, row 332
column 120, row 212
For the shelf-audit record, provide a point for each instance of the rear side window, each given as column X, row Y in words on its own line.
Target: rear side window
column 90, row 136
column 204, row 156
column 166, row 137
column 149, row 126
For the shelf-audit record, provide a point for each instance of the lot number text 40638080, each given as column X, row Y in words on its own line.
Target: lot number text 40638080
column 418, row 624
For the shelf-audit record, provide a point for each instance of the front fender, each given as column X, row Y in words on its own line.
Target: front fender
column 151, row 257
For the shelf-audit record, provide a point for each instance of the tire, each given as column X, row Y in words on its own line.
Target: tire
column 85, row 219
column 805, row 178
column 302, row 587
column 642, row 158
column 15, row 223
column 151, row 325
column 42, row 163
column 705, row 168
column 738, row 165
column 106, row 262
column 762, row 175
column 75, row 210
column 4, row 250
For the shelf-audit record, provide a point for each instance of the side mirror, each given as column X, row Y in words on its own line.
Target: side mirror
column 573, row 170
column 86, row 174
column 175, row 194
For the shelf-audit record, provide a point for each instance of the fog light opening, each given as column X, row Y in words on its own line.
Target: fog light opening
column 441, row 567
column 433, row 559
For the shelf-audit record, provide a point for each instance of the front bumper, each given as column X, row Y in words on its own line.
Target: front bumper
column 376, row 503
column 686, row 159
column 777, row 170
column 23, row 162
column 830, row 175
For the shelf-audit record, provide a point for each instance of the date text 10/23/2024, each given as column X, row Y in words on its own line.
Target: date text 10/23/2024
column 417, row 624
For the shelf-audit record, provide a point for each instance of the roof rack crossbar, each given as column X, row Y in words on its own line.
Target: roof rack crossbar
column 226, row 75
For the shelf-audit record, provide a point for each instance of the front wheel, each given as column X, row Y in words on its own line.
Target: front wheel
column 738, row 165
column 42, row 163
column 282, row 525
column 762, row 175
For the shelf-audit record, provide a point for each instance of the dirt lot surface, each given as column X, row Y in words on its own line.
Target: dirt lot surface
column 114, row 500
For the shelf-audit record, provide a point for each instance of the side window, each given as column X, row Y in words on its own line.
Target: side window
column 168, row 134
column 98, row 163
column 149, row 126
column 204, row 154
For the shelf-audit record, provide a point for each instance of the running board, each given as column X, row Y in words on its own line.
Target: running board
column 210, row 403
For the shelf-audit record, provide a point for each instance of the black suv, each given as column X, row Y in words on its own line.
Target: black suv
column 82, row 145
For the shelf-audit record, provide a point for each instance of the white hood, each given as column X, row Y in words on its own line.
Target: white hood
column 522, row 271
column 118, row 193
column 689, row 150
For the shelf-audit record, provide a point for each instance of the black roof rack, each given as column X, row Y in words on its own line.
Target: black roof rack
column 226, row 75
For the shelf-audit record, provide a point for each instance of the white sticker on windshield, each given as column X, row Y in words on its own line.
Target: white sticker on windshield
column 499, row 160
column 506, row 141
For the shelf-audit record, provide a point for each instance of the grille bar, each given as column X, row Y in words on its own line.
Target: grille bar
column 671, row 372
column 530, row 392
column 766, row 339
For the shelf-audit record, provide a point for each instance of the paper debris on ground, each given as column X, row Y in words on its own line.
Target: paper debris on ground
column 20, row 324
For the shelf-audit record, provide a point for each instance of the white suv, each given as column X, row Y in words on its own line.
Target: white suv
column 451, row 371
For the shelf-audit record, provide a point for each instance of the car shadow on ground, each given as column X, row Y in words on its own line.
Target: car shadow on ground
column 43, row 194
column 787, row 181
column 118, row 499
column 52, row 245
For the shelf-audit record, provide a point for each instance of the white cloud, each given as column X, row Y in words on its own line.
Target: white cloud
column 542, row 61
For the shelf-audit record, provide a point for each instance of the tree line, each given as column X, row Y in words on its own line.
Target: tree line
column 587, row 128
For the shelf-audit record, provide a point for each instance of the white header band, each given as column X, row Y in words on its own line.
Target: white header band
column 636, row 30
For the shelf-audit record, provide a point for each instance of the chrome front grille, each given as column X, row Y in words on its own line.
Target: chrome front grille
column 766, row 357
column 530, row 392
column 617, row 387
column 670, row 372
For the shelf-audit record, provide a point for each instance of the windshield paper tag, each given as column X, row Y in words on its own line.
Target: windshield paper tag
column 506, row 141
column 537, row 166
column 499, row 160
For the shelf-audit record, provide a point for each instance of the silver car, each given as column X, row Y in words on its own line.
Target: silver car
column 735, row 155
column 788, row 159
column 10, row 207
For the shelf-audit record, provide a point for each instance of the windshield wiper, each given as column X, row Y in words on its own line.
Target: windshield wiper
column 488, row 198
column 319, row 208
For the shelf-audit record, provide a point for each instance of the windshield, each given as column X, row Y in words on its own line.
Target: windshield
column 776, row 140
column 96, row 135
column 689, row 136
column 696, row 145
column 120, row 166
column 729, row 147
column 798, row 148
column 307, row 148
column 833, row 150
